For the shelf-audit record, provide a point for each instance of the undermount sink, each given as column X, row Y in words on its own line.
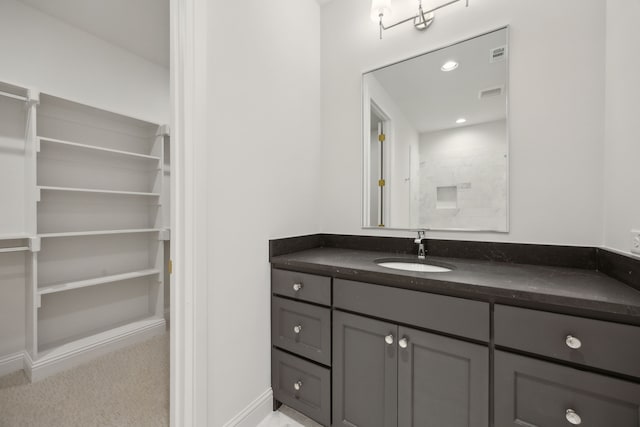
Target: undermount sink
column 407, row 265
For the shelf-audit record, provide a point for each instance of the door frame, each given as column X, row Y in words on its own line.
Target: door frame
column 370, row 104
column 189, row 321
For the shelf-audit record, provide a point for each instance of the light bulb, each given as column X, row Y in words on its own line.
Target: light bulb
column 380, row 7
column 461, row 120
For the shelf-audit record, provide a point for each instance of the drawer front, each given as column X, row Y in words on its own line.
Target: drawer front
column 301, row 328
column 302, row 286
column 301, row 385
column 610, row 346
column 456, row 316
column 530, row 392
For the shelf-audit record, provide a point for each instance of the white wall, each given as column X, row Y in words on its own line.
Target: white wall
column 556, row 107
column 12, row 166
column 474, row 160
column 622, row 143
column 263, row 150
column 40, row 51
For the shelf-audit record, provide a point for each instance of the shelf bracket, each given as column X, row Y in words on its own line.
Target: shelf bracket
column 38, row 194
column 33, row 97
column 34, row 244
column 164, row 234
column 38, row 300
column 164, row 130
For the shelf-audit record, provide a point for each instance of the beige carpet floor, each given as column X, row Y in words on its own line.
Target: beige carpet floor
column 127, row 388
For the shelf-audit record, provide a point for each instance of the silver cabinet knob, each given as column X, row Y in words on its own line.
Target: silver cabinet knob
column 573, row 418
column 297, row 385
column 297, row 329
column 297, row 287
column 573, row 342
column 403, row 343
column 389, row 339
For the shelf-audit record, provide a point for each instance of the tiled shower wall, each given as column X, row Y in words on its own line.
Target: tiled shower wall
column 469, row 166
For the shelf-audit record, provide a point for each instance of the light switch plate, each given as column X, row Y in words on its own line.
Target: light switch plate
column 635, row 242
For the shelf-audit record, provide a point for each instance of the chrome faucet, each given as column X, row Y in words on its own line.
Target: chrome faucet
column 422, row 253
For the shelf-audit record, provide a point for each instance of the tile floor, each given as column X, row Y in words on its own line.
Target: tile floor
column 287, row 417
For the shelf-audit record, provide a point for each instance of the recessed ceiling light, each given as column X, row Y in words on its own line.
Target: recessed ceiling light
column 461, row 120
column 449, row 66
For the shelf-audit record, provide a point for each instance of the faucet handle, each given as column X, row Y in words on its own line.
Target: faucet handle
column 421, row 236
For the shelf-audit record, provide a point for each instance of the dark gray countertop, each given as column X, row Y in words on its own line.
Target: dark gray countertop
column 566, row 290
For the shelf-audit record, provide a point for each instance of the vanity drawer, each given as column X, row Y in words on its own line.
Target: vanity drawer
column 610, row 346
column 302, row 286
column 536, row 393
column 456, row 316
column 302, row 329
column 301, row 385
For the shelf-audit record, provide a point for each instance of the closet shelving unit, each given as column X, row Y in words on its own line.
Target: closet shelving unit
column 96, row 227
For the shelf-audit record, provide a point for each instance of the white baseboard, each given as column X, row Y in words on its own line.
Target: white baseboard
column 89, row 348
column 255, row 412
column 11, row 363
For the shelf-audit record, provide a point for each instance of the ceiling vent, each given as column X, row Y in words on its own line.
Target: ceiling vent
column 491, row 92
column 497, row 54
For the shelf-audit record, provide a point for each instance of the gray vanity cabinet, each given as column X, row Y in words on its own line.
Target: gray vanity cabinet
column 387, row 375
column 441, row 381
column 355, row 354
column 365, row 372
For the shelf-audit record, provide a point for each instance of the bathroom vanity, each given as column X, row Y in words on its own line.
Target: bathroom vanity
column 486, row 344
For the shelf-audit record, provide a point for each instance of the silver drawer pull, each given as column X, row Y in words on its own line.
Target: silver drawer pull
column 297, row 287
column 297, row 385
column 573, row 342
column 297, row 329
column 389, row 339
column 403, row 343
column 573, row 418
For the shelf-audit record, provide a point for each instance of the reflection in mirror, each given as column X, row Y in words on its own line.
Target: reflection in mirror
column 435, row 146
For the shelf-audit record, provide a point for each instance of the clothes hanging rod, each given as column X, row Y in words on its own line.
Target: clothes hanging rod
column 11, row 95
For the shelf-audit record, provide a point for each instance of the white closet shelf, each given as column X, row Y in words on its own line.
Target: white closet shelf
column 96, row 191
column 93, row 147
column 99, row 232
column 14, row 236
column 16, row 249
column 67, row 286
column 63, row 349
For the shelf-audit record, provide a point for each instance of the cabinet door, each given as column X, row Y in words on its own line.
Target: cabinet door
column 365, row 372
column 441, row 381
column 534, row 393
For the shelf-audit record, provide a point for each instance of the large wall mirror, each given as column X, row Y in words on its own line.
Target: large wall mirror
column 436, row 139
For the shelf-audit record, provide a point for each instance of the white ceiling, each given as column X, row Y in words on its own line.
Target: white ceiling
column 140, row 26
column 432, row 99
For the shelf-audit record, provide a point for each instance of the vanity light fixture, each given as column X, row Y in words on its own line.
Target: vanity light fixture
column 461, row 120
column 421, row 20
column 449, row 66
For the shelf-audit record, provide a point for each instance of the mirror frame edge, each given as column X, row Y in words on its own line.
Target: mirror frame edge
column 364, row 169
